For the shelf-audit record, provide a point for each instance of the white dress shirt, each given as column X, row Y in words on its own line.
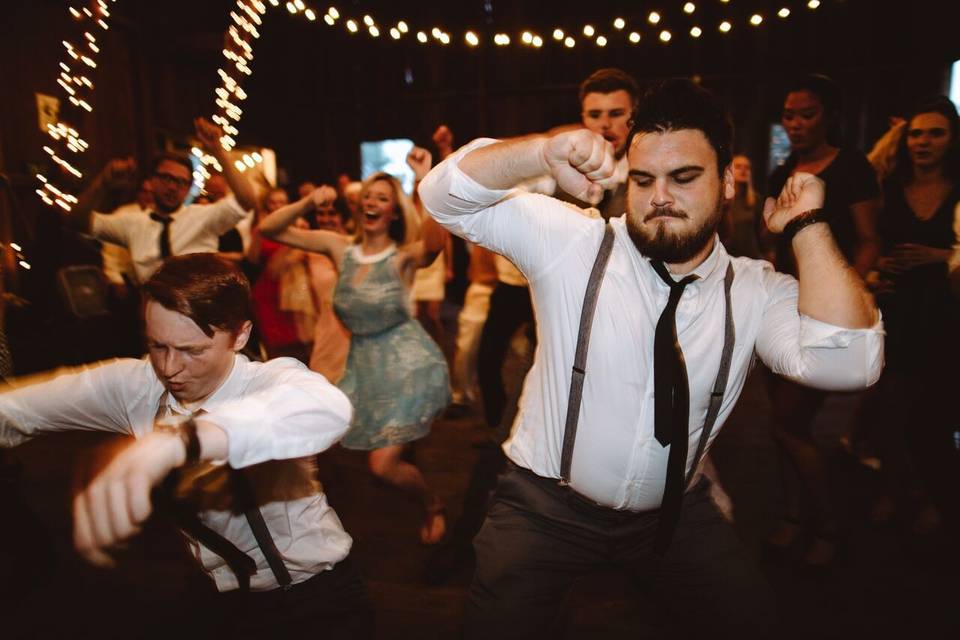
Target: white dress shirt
column 617, row 461
column 196, row 228
column 277, row 415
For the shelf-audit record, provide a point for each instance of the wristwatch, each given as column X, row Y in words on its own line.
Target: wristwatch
column 185, row 428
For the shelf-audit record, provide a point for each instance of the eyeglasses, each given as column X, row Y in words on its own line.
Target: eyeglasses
column 171, row 179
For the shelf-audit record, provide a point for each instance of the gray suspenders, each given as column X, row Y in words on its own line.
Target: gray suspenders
column 580, row 362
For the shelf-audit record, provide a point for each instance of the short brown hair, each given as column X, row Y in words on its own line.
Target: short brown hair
column 609, row 80
column 204, row 287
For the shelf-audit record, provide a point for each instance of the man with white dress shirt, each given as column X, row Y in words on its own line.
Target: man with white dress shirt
column 240, row 436
column 171, row 228
column 676, row 325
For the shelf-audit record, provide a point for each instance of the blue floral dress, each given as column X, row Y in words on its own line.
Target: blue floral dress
column 396, row 376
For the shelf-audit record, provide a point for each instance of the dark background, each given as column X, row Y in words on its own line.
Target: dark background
column 317, row 91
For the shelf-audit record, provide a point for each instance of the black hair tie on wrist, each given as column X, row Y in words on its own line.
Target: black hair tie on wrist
column 805, row 219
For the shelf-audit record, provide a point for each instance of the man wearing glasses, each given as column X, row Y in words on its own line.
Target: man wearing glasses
column 171, row 228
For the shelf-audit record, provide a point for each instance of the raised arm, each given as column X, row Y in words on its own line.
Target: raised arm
column 117, row 173
column 243, row 190
column 279, row 226
column 831, row 291
column 579, row 160
column 433, row 237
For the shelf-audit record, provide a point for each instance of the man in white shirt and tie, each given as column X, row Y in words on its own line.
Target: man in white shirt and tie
column 242, row 437
column 172, row 228
column 676, row 325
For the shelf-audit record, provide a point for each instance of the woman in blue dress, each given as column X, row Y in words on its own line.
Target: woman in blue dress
column 396, row 376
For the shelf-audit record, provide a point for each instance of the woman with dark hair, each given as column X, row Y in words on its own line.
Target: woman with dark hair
column 811, row 114
column 396, row 377
column 921, row 198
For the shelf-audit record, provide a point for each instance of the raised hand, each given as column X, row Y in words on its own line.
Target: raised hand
column 420, row 160
column 323, row 196
column 443, row 139
column 801, row 193
column 209, row 134
column 582, row 163
column 119, row 172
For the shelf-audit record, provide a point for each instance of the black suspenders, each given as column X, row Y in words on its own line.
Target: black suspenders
column 185, row 516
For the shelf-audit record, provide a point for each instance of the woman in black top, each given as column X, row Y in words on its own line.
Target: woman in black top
column 811, row 109
column 921, row 317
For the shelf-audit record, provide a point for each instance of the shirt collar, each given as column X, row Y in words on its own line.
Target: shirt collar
column 712, row 267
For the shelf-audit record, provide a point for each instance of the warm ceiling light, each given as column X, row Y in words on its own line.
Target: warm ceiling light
column 367, row 20
column 665, row 36
column 696, row 32
column 374, row 31
column 689, row 7
column 619, row 23
column 813, row 4
column 471, row 38
column 351, row 26
column 569, row 42
column 421, row 37
column 558, row 34
column 333, row 13
column 527, row 37
column 725, row 26
column 783, row 13
column 537, row 41
column 756, row 19
column 588, row 31
column 601, row 41
column 634, row 37
column 654, row 17
column 394, row 33
column 402, row 26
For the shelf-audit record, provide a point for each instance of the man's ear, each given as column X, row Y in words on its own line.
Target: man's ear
column 729, row 190
column 243, row 336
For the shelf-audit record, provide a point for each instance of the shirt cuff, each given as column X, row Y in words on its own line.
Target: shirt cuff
column 465, row 188
column 815, row 334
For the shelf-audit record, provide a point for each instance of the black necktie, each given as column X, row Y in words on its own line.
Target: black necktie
column 165, row 234
column 671, row 404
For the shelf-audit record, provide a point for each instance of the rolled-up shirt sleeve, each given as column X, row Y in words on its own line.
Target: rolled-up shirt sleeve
column 531, row 230
column 811, row 352
column 286, row 412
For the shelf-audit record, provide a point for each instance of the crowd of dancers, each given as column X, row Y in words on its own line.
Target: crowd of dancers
column 355, row 281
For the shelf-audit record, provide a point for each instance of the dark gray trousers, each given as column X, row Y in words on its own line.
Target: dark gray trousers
column 538, row 538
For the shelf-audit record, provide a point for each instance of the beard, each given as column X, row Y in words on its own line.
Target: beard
column 669, row 246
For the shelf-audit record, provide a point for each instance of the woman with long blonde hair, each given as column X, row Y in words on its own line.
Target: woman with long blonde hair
column 396, row 376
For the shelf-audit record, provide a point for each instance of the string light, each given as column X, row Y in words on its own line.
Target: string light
column 243, row 30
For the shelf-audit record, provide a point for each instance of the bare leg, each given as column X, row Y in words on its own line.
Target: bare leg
column 388, row 465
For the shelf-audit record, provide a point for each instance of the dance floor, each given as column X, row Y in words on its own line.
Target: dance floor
column 886, row 584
